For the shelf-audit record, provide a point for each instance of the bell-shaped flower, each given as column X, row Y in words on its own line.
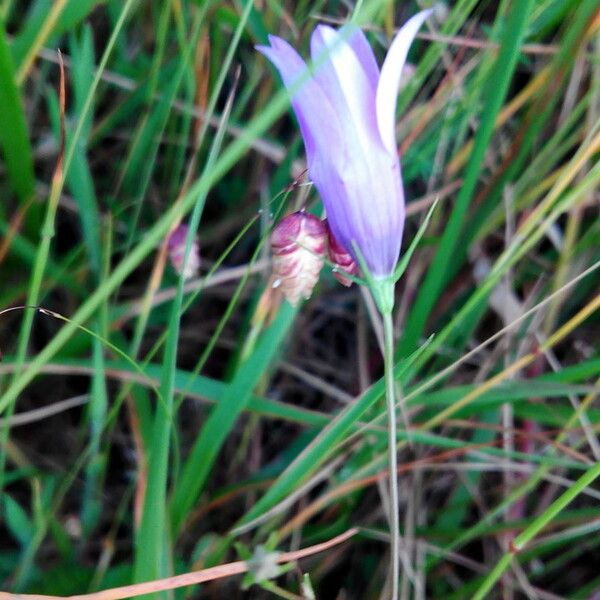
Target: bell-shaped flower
column 346, row 109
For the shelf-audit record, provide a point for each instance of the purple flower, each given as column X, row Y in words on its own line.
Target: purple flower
column 346, row 110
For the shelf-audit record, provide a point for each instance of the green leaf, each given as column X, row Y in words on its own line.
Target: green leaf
column 14, row 137
column 17, row 520
column 223, row 417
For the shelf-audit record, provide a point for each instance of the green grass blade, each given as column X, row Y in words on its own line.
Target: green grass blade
column 495, row 92
column 222, row 418
column 14, row 137
column 538, row 524
column 322, row 446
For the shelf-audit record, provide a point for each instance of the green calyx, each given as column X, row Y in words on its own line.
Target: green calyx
column 383, row 293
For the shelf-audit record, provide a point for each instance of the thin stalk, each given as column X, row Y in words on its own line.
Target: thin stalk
column 390, row 398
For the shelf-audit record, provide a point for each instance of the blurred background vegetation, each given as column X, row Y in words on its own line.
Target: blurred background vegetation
column 151, row 428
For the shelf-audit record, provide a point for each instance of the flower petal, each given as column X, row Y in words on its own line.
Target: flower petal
column 391, row 73
column 364, row 53
column 362, row 196
column 319, row 124
column 345, row 78
column 365, row 206
column 357, row 40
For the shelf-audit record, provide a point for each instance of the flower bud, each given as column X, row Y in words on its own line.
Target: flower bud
column 298, row 242
column 176, row 248
column 341, row 259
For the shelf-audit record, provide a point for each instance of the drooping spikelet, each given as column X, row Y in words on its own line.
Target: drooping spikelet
column 299, row 243
column 341, row 259
column 176, row 248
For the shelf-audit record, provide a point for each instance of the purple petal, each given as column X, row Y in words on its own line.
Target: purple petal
column 391, row 73
column 342, row 76
column 357, row 41
column 365, row 206
column 364, row 53
column 318, row 121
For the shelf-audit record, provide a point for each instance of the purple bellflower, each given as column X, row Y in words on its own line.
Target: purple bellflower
column 346, row 109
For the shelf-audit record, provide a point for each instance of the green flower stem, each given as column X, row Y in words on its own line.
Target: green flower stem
column 536, row 526
column 383, row 294
column 390, row 398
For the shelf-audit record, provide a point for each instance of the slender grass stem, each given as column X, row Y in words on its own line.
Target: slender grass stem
column 390, row 398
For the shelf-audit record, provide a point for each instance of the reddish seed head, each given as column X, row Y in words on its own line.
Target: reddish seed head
column 341, row 259
column 299, row 243
column 176, row 248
